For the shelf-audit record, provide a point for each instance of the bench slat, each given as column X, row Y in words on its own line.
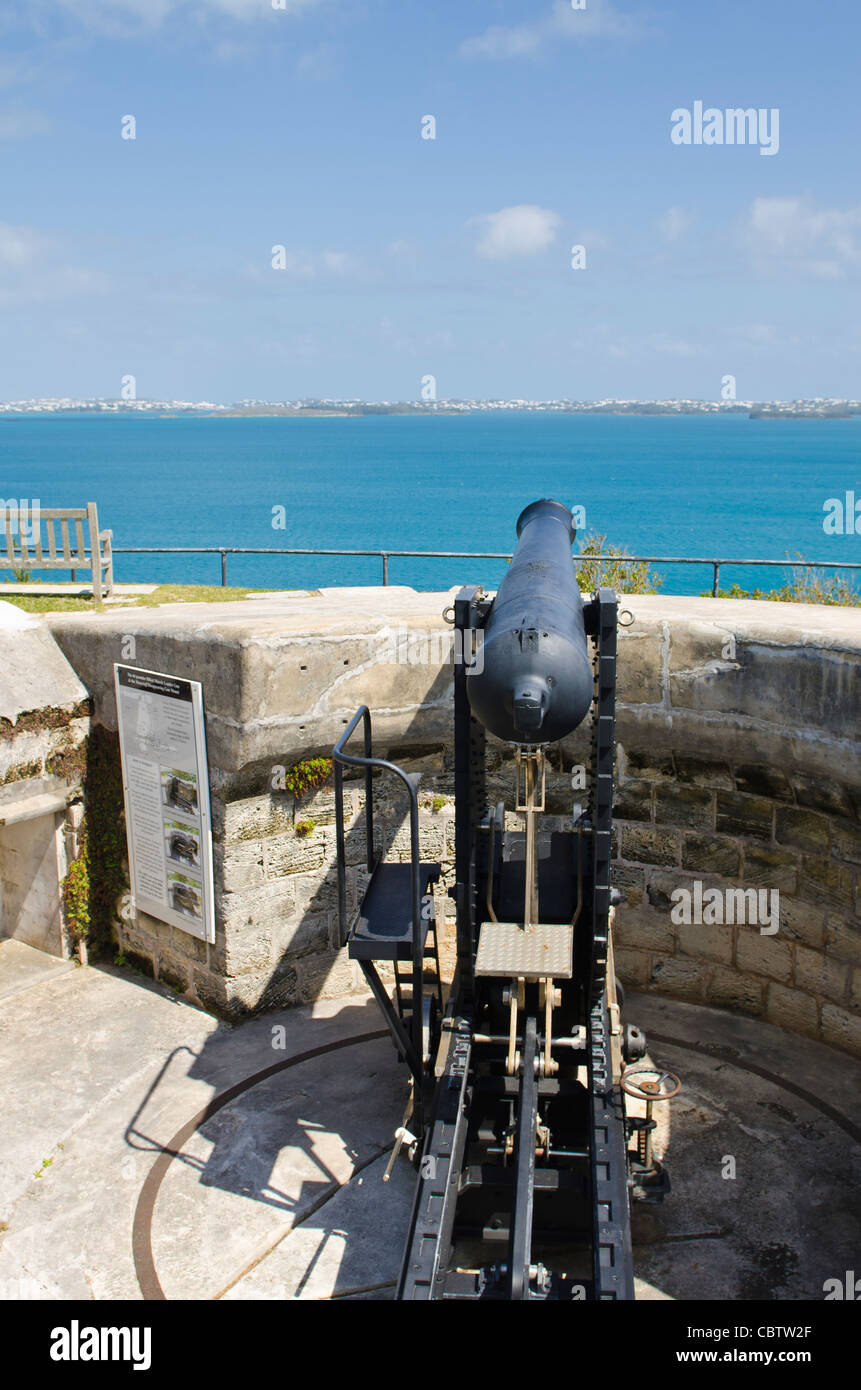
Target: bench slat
column 64, row 531
column 52, row 540
column 81, row 556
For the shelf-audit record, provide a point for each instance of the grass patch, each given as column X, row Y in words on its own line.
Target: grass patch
column 165, row 593
column 194, row 593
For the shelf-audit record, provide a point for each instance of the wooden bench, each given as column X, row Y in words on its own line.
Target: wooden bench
column 26, row 550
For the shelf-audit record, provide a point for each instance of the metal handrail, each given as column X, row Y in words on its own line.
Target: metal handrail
column 369, row 762
column 386, row 555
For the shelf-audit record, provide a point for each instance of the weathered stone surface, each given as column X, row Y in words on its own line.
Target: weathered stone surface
column 292, row 854
column 770, row 868
column 300, row 935
column 819, row 881
column 816, row 974
column 737, row 814
column 763, row 955
column 660, row 887
column 643, row 929
column 706, row 943
column 801, row 921
column 687, row 806
column 790, row 1008
column 846, row 840
column 822, row 794
column 633, row 801
column 328, row 976
column 242, row 952
column 711, row 854
column 640, row 662
column 841, row 1029
column 804, row 829
column 240, row 865
column 630, row 880
column 647, row 846
column 258, row 817
column 759, row 779
column 647, row 766
column 632, row 966
column 703, row 773
column 683, row 978
column 256, row 906
column 731, row 989
column 843, row 937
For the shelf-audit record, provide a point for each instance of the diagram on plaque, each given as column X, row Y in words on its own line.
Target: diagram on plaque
column 166, row 789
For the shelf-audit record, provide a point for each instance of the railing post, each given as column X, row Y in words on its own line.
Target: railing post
column 224, row 569
column 385, row 566
column 715, row 585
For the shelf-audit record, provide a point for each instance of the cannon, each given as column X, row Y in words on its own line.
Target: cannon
column 516, row 1115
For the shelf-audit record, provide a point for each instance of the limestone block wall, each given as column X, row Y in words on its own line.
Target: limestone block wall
column 44, row 723
column 738, row 766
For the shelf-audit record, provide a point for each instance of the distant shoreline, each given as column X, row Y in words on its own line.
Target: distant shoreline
column 648, row 412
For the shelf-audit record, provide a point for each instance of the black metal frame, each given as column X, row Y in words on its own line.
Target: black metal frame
column 441, row 1176
column 410, row 1048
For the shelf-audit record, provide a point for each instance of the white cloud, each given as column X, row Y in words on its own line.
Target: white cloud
column 17, row 125
column 19, row 245
column 824, row 241
column 116, row 16
column 674, row 223
column 523, row 230
column 599, row 19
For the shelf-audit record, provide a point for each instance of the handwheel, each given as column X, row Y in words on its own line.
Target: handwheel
column 631, row 1087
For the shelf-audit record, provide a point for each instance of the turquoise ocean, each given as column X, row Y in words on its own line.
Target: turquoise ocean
column 724, row 486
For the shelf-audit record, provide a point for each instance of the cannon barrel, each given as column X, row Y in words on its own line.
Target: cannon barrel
column 534, row 682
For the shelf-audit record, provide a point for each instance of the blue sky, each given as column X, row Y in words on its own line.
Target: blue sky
column 406, row 257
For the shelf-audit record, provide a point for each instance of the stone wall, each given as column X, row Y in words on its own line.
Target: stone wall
column 44, row 722
column 738, row 766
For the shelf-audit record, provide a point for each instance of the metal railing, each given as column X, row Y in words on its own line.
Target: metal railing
column 386, row 555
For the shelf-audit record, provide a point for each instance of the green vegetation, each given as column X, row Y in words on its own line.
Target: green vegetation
column 165, row 593
column 96, row 879
column 304, row 827
column 437, row 803
column 302, row 778
column 626, row 577
column 804, row 586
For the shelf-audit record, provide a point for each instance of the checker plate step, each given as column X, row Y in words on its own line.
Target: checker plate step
column 543, row 950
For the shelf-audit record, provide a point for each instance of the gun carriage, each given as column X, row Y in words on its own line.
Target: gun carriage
column 516, row 1117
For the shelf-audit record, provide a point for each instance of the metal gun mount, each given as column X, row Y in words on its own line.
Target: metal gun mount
column 516, row 1116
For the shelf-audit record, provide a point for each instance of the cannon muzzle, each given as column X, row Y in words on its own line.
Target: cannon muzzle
column 535, row 683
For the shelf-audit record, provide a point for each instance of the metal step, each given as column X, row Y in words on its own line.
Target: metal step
column 384, row 927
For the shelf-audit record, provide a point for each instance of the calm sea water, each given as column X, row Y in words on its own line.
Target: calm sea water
column 658, row 485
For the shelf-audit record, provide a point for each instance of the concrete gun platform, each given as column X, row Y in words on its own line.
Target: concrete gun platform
column 149, row 1151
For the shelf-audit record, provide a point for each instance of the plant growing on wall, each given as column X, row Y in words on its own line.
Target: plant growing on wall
column 302, row 778
column 96, row 878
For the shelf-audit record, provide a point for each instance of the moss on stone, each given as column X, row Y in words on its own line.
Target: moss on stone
column 96, row 878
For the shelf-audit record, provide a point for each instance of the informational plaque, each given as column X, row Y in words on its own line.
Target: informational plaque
column 166, row 788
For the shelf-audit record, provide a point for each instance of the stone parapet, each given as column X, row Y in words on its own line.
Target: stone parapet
column 737, row 767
